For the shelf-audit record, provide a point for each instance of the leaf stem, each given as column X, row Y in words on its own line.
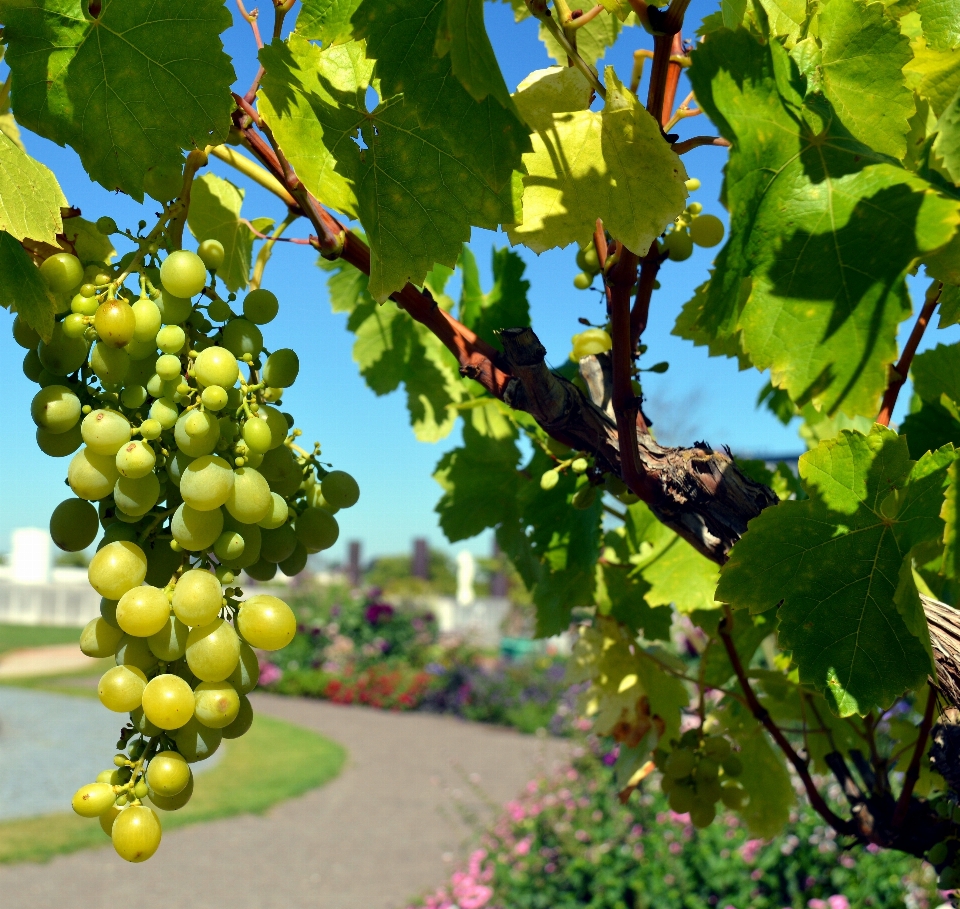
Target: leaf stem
column 899, row 373
column 913, row 771
column 681, row 148
column 252, row 170
column 576, row 60
column 584, row 18
column 263, row 256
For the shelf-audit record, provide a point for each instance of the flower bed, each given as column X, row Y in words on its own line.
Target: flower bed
column 568, row 843
column 386, row 687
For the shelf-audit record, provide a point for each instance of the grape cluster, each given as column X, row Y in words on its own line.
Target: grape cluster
column 170, row 409
column 698, row 772
column 945, row 855
column 691, row 228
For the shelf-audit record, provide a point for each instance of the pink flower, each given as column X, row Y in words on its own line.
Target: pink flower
column 749, row 850
column 523, row 847
column 816, row 904
column 873, row 848
column 269, row 673
column 516, row 811
column 676, row 848
column 837, row 901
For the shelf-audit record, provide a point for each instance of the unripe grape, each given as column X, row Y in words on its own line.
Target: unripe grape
column 229, row 546
column 582, row 281
column 217, row 366
column 732, row 765
column 277, row 515
column 135, row 652
column 277, row 545
column 679, row 764
column 168, row 773
column 74, row 326
column 32, row 367
column 183, row 273
column 707, row 230
column 579, row 465
column 211, row 252
column 681, row 798
column 171, row 339
column 214, row 398
column 173, row 309
column 216, row 704
column 120, row 689
column 260, row 306
column 196, row 530
column 277, row 424
column 213, row 651
column 74, row 525
column 249, row 500
column 106, row 225
column 115, row 322
column 294, row 563
column 84, row 304
column 105, row 431
column 281, row 368
column 692, row 184
column 62, row 355
column 262, row 570
column 136, row 496
column 170, row 642
column 150, row 429
column 702, row 814
column 99, row 638
column 716, row 747
column 117, row 568
column 174, row 802
column 197, row 742
column 168, row 701
column 256, row 433
column 111, row 364
column 93, row 799
column 196, row 433
column 549, row 479
column 590, row 342
column 165, row 412
column 251, row 536
column 317, row 529
column 281, row 470
column 168, row 367
column 143, row 611
column 679, row 245
column 220, row 311
column 134, row 396
column 136, row 833
column 243, row 721
column 266, row 622
column 24, row 334
column 694, row 208
column 340, row 489
column 108, row 612
column 733, row 796
column 206, row 482
column 241, row 336
column 135, row 459
column 62, row 272
column 245, row 676
column 197, row 598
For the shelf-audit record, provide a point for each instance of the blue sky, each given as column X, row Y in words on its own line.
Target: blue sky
column 698, row 398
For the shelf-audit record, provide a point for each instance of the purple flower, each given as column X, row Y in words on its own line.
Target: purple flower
column 378, row 612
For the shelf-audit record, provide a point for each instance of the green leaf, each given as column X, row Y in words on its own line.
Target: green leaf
column 947, row 143
column 949, row 306
column 327, row 21
column 933, row 74
column 415, row 197
column 30, row 197
column 863, row 54
column 593, row 39
column 215, row 215
column 833, row 562
column 88, row 243
column 555, row 90
column 22, row 290
column 786, row 19
column 823, row 232
column 128, row 90
column 930, row 427
column 690, row 326
column 941, row 23
column 768, row 784
column 505, row 306
column 749, row 631
column 733, row 12
column 937, row 372
column 951, row 520
column 621, row 594
column 613, row 165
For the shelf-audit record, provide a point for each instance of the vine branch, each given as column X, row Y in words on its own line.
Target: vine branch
column 681, row 148
column 913, row 771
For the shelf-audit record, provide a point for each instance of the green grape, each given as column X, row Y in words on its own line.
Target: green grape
column 168, row 701
column 732, row 765
column 105, row 431
column 716, row 747
column 220, row 311
column 590, row 262
column 108, row 776
column 294, row 563
column 277, row 545
column 176, row 466
column 82, row 305
column 277, row 515
column 281, row 470
column 679, row 763
column 316, row 500
column 183, row 273
column 549, row 479
column 62, row 355
column 257, row 435
column 99, row 638
column 249, row 499
column 733, row 796
column 168, row 367
column 243, row 721
column 196, row 530
column 117, row 568
column 74, row 525
column 692, row 184
column 24, row 334
column 706, row 771
column 108, row 612
column 59, row 445
column 245, row 676
column 173, row 802
column 171, row 339
column 106, row 225
column 262, row 570
column 134, row 396
column 93, row 799
column 197, row 742
column 162, row 561
column 136, row 496
column 702, row 814
column 214, row 398
column 146, row 319
column 229, row 546
column 173, row 309
column 55, row 409
column 340, row 489
column 117, row 531
column 212, row 254
column 143, row 611
column 216, row 704
column 141, row 789
column 681, row 798
column 213, row 651
column 277, row 424
column 136, row 833
column 121, row 688
column 115, row 322
column 217, row 366
column 266, row 622
column 281, row 368
column 74, row 326
column 707, row 230
column 590, row 342
column 197, row 598
column 32, row 367
column 168, row 773
column 206, row 482
column 170, row 642
column 196, row 443
column 135, row 459
column 316, row 528
column 694, row 208
column 260, row 306
column 151, row 429
column 92, row 476
column 579, row 465
column 678, row 244
column 582, row 281
column 62, row 272
column 110, row 364
column 708, row 790
column 242, row 337
column 165, row 412
column 585, row 497
column 251, row 536
column 133, row 651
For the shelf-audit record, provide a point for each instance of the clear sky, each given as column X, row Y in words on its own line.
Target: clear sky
column 698, row 398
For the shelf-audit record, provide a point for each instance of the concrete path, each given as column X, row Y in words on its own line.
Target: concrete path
column 387, row 829
column 36, row 661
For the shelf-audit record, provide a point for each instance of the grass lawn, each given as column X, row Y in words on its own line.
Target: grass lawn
column 272, row 762
column 13, row 637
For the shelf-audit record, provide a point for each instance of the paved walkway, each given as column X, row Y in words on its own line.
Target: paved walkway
column 34, row 661
column 387, row 829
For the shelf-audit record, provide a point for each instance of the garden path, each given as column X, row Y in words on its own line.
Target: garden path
column 384, row 831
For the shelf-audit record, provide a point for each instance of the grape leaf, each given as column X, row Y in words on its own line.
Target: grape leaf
column 833, row 564
column 941, row 23
column 786, row 19
column 949, row 306
column 215, row 215
column 768, row 784
column 733, row 12
column 593, row 39
column 88, row 243
column 415, row 197
column 951, row 520
column 613, row 165
column 689, row 326
column 22, row 290
column 555, row 90
column 505, row 306
column 863, row 54
column 937, row 372
column 327, row 21
column 749, row 631
column 947, row 143
column 930, row 427
column 933, row 74
column 621, row 594
column 126, row 90
column 8, row 125
column 30, row 197
column 822, row 232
